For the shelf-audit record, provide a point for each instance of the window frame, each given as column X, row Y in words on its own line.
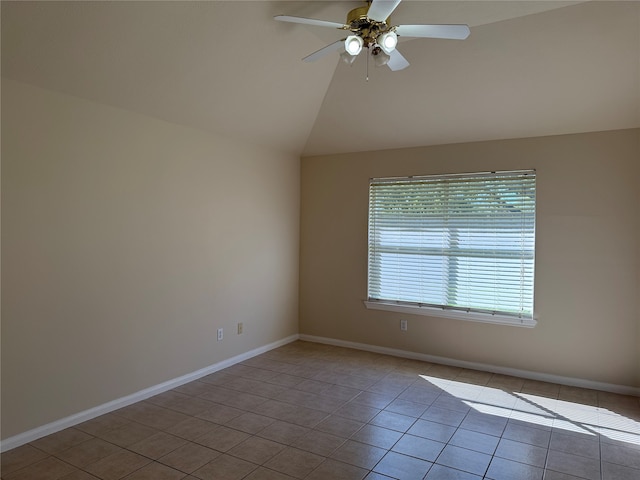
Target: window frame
column 445, row 311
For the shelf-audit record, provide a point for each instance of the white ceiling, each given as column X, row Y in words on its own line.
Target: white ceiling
column 529, row 68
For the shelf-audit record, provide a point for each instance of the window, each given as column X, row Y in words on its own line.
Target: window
column 461, row 244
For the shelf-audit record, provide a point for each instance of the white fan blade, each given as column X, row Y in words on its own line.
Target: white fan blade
column 452, row 32
column 308, row 21
column 397, row 61
column 381, row 9
column 334, row 47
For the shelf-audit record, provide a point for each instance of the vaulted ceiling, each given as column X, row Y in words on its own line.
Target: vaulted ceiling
column 529, row 68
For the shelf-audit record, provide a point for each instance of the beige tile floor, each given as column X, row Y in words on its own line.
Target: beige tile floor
column 318, row 412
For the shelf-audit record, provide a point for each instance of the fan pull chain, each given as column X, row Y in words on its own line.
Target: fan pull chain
column 367, row 64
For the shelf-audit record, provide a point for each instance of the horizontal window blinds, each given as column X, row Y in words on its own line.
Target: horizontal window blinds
column 462, row 242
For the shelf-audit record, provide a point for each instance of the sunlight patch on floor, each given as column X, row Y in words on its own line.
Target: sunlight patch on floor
column 543, row 411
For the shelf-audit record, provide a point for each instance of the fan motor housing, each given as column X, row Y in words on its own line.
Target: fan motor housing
column 362, row 25
column 358, row 17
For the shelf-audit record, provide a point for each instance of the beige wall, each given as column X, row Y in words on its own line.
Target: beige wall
column 587, row 264
column 126, row 242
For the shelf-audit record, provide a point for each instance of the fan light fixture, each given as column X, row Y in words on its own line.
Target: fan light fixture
column 348, row 59
column 380, row 59
column 353, row 44
column 388, row 41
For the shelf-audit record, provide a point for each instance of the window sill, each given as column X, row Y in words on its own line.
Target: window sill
column 454, row 314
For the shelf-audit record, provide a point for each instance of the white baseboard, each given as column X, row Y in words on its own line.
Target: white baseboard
column 544, row 377
column 70, row 421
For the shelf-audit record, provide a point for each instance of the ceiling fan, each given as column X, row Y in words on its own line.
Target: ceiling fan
column 370, row 28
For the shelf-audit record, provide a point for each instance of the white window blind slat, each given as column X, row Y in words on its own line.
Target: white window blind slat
column 462, row 242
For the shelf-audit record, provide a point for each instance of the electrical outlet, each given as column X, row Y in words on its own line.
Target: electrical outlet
column 403, row 325
column 240, row 328
column 220, row 334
